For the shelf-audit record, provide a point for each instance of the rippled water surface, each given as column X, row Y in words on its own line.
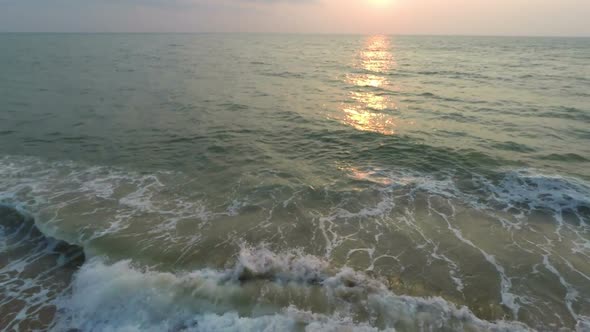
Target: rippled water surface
column 170, row 182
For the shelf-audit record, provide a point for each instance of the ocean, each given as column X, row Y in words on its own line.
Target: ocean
column 268, row 182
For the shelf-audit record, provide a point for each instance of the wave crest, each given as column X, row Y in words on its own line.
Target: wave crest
column 120, row 296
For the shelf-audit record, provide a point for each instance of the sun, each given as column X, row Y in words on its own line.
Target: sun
column 380, row 3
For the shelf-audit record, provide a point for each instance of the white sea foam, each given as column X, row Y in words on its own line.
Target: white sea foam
column 118, row 197
column 34, row 270
column 519, row 194
column 536, row 190
column 64, row 196
column 120, row 297
column 521, row 188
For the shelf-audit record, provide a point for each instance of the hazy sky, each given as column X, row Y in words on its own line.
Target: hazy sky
column 479, row 17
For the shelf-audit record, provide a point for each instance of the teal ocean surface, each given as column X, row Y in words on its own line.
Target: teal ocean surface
column 235, row 182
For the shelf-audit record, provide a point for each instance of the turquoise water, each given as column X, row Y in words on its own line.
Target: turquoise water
column 173, row 182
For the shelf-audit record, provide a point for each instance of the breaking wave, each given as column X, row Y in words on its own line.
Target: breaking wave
column 264, row 291
column 277, row 286
column 34, row 271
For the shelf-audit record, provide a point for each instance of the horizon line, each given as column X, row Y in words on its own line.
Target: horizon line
column 297, row 33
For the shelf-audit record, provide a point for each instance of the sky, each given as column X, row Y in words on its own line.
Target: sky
column 449, row 17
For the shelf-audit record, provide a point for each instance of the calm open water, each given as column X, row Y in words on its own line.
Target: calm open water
column 219, row 182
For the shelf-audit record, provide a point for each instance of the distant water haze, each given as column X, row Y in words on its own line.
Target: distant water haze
column 451, row 17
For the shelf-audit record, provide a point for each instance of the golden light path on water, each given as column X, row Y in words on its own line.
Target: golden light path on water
column 368, row 109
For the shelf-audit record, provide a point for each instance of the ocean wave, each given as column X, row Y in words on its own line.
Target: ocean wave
column 121, row 297
column 34, row 271
column 529, row 190
column 151, row 219
column 113, row 199
column 121, row 197
column 514, row 205
column 525, row 190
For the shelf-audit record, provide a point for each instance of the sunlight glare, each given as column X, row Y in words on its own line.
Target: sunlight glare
column 380, row 3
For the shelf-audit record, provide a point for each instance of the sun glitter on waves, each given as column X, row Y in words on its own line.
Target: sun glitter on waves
column 367, row 110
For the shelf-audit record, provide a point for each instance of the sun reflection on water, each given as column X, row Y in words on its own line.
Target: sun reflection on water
column 369, row 121
column 369, row 108
column 370, row 100
column 367, row 174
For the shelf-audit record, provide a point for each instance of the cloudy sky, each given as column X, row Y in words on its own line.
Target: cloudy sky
column 473, row 17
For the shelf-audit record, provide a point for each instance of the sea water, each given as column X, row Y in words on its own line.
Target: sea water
column 233, row 182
